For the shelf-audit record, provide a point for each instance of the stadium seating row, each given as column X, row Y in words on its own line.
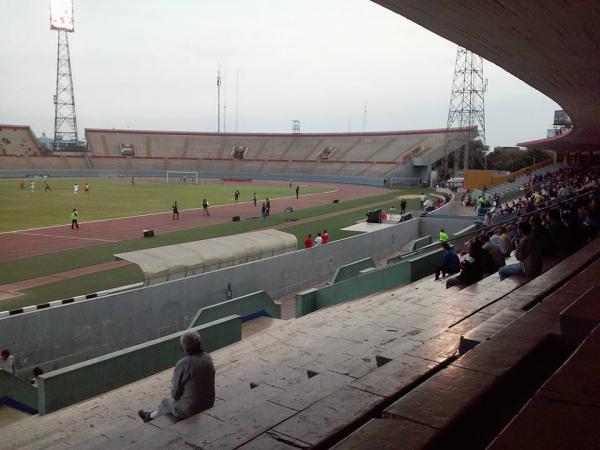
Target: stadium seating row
column 362, row 154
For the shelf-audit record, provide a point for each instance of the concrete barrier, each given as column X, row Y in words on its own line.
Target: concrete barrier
column 351, row 270
column 420, row 243
column 17, row 393
column 81, row 381
column 247, row 307
column 424, row 264
column 375, row 280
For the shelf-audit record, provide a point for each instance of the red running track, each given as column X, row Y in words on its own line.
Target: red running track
column 41, row 241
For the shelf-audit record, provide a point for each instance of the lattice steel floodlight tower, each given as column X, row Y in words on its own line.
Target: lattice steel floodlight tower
column 467, row 101
column 65, row 119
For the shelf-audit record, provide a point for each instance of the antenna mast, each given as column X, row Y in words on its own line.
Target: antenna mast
column 219, row 99
column 237, row 97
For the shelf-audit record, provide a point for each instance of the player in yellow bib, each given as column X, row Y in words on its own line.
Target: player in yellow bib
column 443, row 235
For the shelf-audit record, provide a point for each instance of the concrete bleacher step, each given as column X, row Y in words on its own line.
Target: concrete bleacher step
column 564, row 412
column 487, row 329
column 374, row 349
column 581, row 317
column 443, row 398
column 207, row 432
column 383, row 434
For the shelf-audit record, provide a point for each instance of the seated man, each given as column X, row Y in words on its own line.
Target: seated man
column 529, row 253
column 495, row 258
column 471, row 268
column 450, row 262
column 499, row 241
column 193, row 383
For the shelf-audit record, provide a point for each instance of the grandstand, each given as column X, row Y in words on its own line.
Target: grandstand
column 19, row 149
column 374, row 155
column 17, row 140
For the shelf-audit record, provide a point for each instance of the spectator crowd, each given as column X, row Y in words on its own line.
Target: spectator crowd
column 558, row 214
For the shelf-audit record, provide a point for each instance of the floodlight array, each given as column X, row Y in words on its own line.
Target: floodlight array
column 61, row 15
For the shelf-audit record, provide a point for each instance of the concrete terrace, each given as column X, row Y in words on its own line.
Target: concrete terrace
column 310, row 382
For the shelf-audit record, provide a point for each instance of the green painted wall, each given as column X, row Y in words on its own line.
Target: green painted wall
column 306, row 302
column 424, row 264
column 81, row 381
column 373, row 281
column 351, row 270
column 420, row 243
column 243, row 306
column 18, row 390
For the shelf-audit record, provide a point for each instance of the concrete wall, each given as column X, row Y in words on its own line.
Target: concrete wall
column 430, row 225
column 247, row 306
column 420, row 243
column 95, row 327
column 374, row 280
column 78, row 382
column 17, row 393
column 351, row 270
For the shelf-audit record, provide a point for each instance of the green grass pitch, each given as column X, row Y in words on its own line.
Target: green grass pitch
column 117, row 197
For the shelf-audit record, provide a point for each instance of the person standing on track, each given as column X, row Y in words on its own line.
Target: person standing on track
column 205, row 208
column 74, row 223
column 403, row 206
column 254, row 198
column 297, row 191
column 268, row 207
column 175, row 209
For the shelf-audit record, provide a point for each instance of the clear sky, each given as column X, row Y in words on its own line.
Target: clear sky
column 151, row 64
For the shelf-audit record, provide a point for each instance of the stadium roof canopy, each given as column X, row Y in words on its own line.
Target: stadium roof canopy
column 552, row 45
column 172, row 262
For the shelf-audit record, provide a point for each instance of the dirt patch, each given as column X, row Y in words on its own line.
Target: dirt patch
column 5, row 295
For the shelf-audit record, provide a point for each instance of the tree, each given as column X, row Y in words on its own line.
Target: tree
column 514, row 158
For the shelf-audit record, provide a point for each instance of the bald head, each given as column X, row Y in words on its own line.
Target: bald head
column 190, row 342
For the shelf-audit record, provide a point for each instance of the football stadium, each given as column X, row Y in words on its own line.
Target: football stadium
column 162, row 288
